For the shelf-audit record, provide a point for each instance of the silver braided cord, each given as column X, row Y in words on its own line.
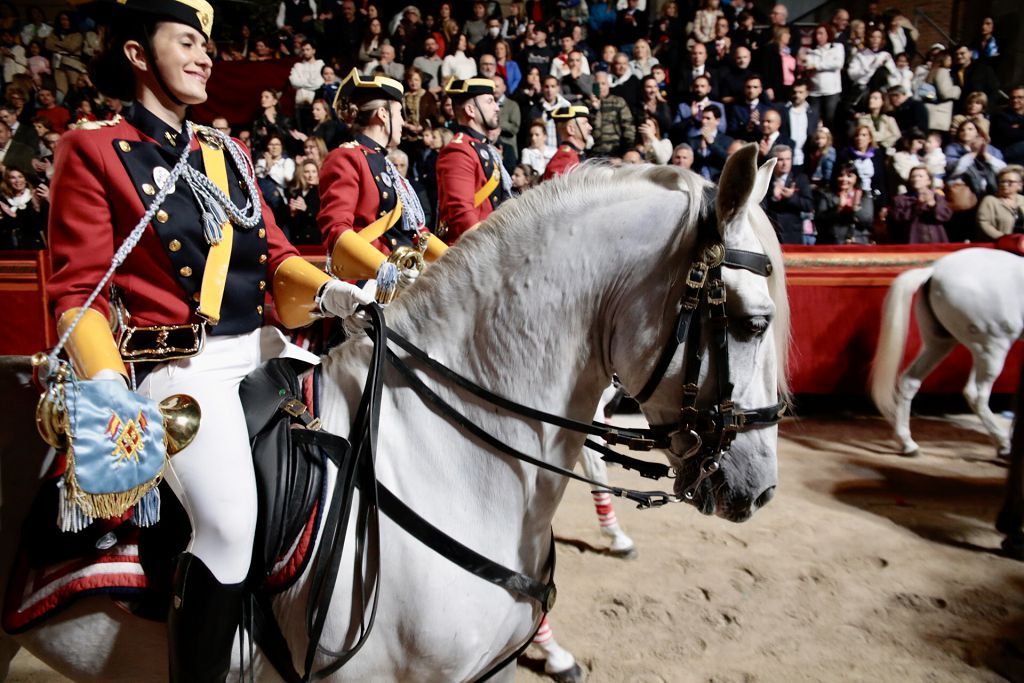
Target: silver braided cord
column 217, row 207
column 413, row 216
column 506, row 179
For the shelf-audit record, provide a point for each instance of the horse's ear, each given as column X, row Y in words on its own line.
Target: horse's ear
column 736, row 182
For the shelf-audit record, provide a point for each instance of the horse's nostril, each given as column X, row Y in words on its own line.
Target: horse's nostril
column 766, row 496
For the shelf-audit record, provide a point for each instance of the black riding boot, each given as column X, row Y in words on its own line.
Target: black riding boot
column 202, row 623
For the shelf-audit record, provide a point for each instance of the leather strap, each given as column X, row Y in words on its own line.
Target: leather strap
column 215, row 274
column 489, row 187
column 376, row 229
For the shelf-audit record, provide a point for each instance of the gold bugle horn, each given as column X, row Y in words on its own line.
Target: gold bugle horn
column 181, row 421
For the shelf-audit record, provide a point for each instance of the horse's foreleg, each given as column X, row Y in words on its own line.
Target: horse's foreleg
column 933, row 350
column 558, row 662
column 988, row 363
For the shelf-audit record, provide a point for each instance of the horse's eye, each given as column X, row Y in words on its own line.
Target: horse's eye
column 756, row 325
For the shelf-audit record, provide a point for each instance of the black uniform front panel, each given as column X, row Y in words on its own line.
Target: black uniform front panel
column 377, row 160
column 179, row 225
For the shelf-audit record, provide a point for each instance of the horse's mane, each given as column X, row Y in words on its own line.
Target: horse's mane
column 588, row 187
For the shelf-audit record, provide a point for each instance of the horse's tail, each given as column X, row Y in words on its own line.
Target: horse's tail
column 893, row 337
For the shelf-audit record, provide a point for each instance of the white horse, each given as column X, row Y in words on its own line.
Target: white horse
column 556, row 291
column 973, row 297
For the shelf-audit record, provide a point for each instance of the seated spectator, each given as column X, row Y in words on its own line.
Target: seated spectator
column 871, row 68
column 771, row 135
column 386, row 64
column 456, row 63
column 614, row 125
column 844, row 214
column 325, row 127
column 262, row 51
column 271, row 122
column 624, row 83
column 901, row 35
column 1008, row 127
column 904, row 74
column 907, row 112
column 884, row 128
column 820, row 159
column 631, row 24
column 476, row 27
column 688, row 119
column 328, row 92
column 682, row 156
column 908, row 156
column 538, row 153
column 938, row 91
column 420, row 108
column 485, row 46
column 746, row 115
column 869, row 161
column 721, row 47
column 304, row 205
column 632, row 157
column 58, row 116
column 643, row 61
column 710, row 145
column 973, row 76
column 65, row 45
column 507, row 67
column 745, row 33
column 38, row 64
column 560, row 63
column 296, row 16
column 314, row 149
column 974, row 109
column 653, row 104
column 306, row 75
column 429, row 64
column 24, row 211
column 1003, row 213
column 934, row 158
column 704, row 21
column 550, row 100
column 373, row 40
column 275, row 170
column 799, row 121
column 684, row 76
column 510, row 119
column 733, row 76
column 985, row 47
column 978, row 167
column 523, row 178
column 789, row 202
column 14, row 154
column 536, row 51
column 654, row 148
column 967, row 138
column 577, row 85
column 778, row 65
column 15, row 59
column 919, row 215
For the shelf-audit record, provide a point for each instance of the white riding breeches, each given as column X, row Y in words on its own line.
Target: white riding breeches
column 213, row 477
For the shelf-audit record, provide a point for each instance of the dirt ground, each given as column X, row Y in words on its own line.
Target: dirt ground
column 865, row 567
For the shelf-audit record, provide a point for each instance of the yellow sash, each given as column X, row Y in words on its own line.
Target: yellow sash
column 380, row 226
column 489, row 187
column 215, row 275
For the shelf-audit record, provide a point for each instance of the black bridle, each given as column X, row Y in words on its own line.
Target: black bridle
column 703, row 302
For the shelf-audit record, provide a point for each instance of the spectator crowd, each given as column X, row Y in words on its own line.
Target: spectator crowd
column 876, row 137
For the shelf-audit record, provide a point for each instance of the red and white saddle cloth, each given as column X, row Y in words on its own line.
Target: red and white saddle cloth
column 1012, row 243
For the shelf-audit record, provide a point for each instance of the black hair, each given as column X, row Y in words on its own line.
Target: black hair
column 110, row 70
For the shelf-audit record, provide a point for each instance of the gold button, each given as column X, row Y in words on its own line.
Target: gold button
column 195, row 297
column 259, row 309
column 262, row 233
column 394, row 242
column 377, row 178
column 263, row 258
column 162, row 216
column 174, row 245
column 384, row 195
column 186, row 272
column 383, row 213
column 125, row 147
column 263, row 285
column 148, row 189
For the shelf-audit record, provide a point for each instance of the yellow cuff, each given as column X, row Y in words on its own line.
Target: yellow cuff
column 435, row 248
column 91, row 346
column 296, row 282
column 353, row 258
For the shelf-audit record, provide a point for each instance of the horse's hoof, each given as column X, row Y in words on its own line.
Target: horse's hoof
column 573, row 674
column 911, row 454
column 1013, row 547
column 630, row 553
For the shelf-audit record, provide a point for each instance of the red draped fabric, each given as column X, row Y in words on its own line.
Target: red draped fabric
column 234, row 91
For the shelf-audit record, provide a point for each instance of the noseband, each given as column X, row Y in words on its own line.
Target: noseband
column 703, row 303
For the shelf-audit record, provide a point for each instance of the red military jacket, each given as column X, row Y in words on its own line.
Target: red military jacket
column 104, row 179
column 567, row 157
column 464, row 166
column 356, row 190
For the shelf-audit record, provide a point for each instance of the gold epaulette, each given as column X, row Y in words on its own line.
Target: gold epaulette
column 85, row 124
column 349, row 145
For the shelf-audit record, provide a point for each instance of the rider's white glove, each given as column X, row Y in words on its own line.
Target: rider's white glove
column 340, row 299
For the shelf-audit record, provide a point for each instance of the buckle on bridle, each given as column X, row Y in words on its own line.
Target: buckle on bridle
column 633, row 443
column 716, row 293
column 648, row 499
column 698, row 275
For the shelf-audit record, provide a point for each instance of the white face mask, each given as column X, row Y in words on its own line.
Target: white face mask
column 493, row 31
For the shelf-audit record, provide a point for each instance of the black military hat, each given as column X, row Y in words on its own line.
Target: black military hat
column 195, row 13
column 569, row 113
column 359, row 89
column 461, row 90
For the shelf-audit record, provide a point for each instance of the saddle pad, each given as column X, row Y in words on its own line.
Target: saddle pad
column 114, row 568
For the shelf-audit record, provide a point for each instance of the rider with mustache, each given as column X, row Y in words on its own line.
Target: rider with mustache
column 189, row 295
column 471, row 180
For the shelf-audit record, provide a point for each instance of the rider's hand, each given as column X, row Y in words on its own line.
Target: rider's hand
column 341, row 299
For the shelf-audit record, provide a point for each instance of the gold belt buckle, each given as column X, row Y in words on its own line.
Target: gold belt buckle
column 162, row 342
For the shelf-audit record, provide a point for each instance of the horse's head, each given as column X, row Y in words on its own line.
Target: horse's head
column 720, row 393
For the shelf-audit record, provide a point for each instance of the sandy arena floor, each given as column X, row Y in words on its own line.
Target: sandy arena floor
column 865, row 567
